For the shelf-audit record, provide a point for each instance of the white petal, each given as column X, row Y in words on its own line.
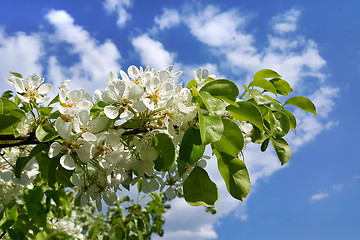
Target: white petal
column 135, row 92
column 114, row 157
column 34, row 81
column 124, row 76
column 76, row 95
column 133, row 72
column 85, row 105
column 109, row 97
column 126, row 115
column 65, row 129
column 62, row 95
column 112, row 77
column 45, row 89
column 67, row 162
column 109, row 197
column 19, row 85
column 89, row 136
column 139, row 106
column 84, row 152
column 205, row 74
column 176, row 74
column 84, row 116
column 111, row 111
column 98, row 95
column 55, row 149
column 120, row 88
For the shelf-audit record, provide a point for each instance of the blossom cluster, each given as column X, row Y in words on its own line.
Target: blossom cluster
column 108, row 141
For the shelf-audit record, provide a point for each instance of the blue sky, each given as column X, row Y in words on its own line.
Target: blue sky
column 312, row 44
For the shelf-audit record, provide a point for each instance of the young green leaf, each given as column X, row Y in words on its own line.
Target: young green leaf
column 302, row 103
column 214, row 105
column 264, row 84
column 266, row 73
column 282, row 149
column 247, row 111
column 166, row 159
column 16, row 74
column 211, row 127
column 232, row 140
column 199, row 189
column 234, row 173
column 291, row 117
column 191, row 148
column 221, row 88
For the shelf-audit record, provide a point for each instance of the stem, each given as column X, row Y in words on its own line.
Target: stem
column 8, row 162
column 21, row 140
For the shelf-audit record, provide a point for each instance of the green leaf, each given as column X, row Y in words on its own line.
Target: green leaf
column 257, row 96
column 211, row 128
column 16, row 74
column 232, row 140
column 221, row 88
column 214, row 105
column 199, row 189
column 22, row 161
column 191, row 148
column 280, row 123
column 192, row 83
column 265, row 144
column 8, row 107
column 36, row 210
column 56, row 99
column 234, row 173
column 291, row 117
column 7, row 121
column 302, row 103
column 266, row 73
column 7, row 94
column 282, row 149
column 45, row 133
column 45, row 111
column 274, row 106
column 63, row 176
column 247, row 111
column 282, row 86
column 166, row 159
column 264, row 84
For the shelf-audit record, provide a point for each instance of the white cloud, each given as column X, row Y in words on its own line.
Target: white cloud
column 338, row 187
column 286, row 22
column 120, row 8
column 152, row 52
column 95, row 59
column 168, row 19
column 318, row 197
column 20, row 53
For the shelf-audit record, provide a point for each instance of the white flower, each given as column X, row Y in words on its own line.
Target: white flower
column 31, row 89
column 122, row 95
column 157, row 93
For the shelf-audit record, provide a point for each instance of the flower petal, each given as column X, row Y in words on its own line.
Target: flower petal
column 45, row 89
column 111, row 111
column 67, row 162
column 55, row 149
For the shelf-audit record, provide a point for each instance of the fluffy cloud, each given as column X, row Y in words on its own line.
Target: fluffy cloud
column 21, row 53
column 152, row 52
column 95, row 59
column 120, row 8
column 168, row 19
column 286, row 22
column 318, row 197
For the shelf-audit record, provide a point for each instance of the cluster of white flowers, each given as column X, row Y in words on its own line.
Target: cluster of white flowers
column 105, row 158
column 10, row 185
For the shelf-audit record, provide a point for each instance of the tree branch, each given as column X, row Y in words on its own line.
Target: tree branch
column 18, row 141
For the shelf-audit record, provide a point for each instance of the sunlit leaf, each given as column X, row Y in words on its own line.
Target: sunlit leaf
column 234, row 173
column 199, row 189
column 247, row 111
column 282, row 149
column 302, row 103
